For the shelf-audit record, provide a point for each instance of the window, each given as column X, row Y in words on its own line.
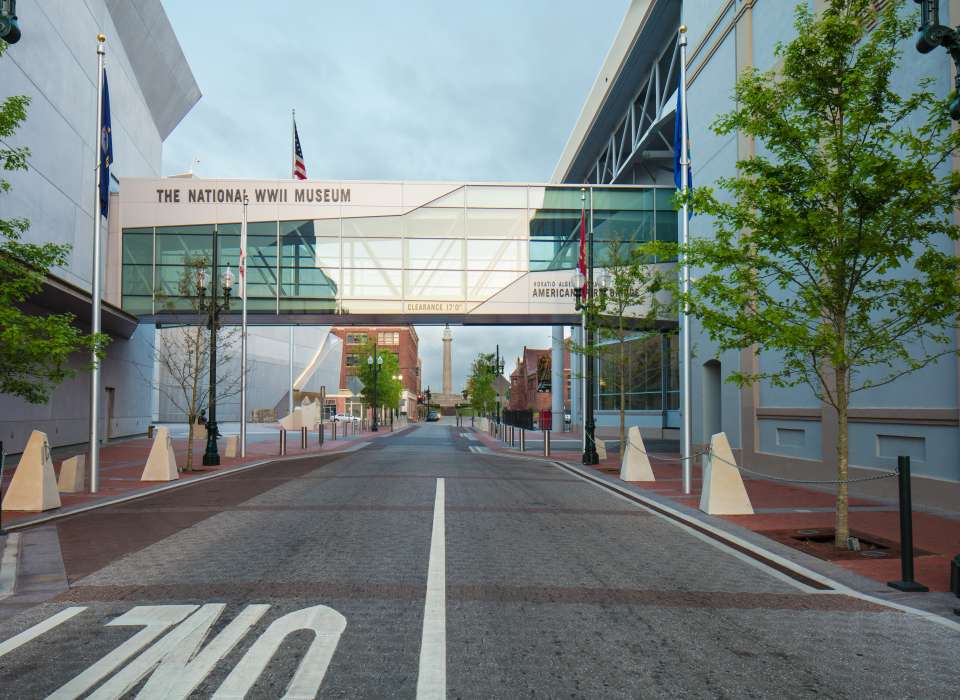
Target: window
column 353, row 360
column 356, row 338
column 392, row 338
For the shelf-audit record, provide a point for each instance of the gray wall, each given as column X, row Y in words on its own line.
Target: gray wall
column 55, row 63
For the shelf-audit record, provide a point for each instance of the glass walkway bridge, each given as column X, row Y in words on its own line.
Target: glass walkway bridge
column 371, row 252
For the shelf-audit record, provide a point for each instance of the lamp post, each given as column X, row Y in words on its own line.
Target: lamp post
column 934, row 34
column 376, row 362
column 212, row 308
column 590, row 456
column 498, row 365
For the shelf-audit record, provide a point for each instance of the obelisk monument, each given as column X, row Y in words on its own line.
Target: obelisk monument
column 447, row 370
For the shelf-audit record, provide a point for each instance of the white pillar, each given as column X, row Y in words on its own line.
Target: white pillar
column 556, row 377
column 576, row 400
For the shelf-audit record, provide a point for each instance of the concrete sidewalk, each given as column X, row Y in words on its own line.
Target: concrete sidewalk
column 122, row 463
column 782, row 509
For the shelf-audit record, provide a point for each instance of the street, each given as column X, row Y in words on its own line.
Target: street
column 415, row 567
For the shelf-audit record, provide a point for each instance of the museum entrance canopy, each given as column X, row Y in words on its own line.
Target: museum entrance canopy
column 375, row 252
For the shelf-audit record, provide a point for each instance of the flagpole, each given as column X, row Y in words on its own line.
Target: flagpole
column 95, row 291
column 293, row 175
column 687, row 449
column 243, row 329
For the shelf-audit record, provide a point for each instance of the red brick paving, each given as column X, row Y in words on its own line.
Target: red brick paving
column 122, row 463
column 933, row 533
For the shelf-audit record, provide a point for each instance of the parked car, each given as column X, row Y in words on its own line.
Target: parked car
column 345, row 418
column 433, row 416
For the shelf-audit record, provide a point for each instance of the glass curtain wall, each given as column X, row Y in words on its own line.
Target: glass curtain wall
column 652, row 374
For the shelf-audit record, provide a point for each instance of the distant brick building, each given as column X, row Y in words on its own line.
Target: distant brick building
column 402, row 341
column 530, row 386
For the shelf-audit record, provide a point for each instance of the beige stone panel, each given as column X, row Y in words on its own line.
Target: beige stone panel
column 72, row 474
column 162, row 462
column 723, row 490
column 232, row 447
column 34, row 483
column 601, row 449
column 635, row 465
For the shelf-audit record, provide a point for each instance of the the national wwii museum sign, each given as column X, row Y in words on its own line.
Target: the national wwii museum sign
column 388, row 251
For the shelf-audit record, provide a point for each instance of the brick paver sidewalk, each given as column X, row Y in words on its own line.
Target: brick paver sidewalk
column 779, row 506
column 122, row 463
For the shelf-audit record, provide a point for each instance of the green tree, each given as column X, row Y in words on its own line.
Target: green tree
column 833, row 249
column 480, row 389
column 389, row 389
column 34, row 348
column 623, row 308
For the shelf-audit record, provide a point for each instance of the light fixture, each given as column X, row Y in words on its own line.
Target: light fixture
column 227, row 279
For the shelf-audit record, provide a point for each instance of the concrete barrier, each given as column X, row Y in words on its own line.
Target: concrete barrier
column 162, row 461
column 723, row 490
column 635, row 465
column 72, row 474
column 34, row 483
column 232, row 448
column 601, row 449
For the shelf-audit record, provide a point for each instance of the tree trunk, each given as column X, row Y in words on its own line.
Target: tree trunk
column 189, row 461
column 843, row 458
column 623, row 391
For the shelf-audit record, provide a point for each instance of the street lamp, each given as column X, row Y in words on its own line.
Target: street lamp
column 9, row 29
column 582, row 282
column 212, row 308
column 376, row 364
column 934, row 34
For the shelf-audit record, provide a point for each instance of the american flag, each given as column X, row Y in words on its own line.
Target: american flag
column 299, row 167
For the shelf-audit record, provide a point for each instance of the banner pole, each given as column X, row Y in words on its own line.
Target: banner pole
column 95, row 291
column 243, row 329
column 687, row 448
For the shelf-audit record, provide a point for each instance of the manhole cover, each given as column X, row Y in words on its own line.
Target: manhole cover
column 874, row 554
column 808, row 532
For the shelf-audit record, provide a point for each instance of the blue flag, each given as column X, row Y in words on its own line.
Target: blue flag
column 678, row 144
column 106, row 148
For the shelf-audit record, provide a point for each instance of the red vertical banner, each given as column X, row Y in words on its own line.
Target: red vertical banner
column 582, row 264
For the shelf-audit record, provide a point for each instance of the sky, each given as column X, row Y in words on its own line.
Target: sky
column 419, row 90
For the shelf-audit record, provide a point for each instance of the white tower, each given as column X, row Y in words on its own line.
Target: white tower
column 447, row 373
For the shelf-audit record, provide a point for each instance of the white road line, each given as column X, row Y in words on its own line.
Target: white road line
column 480, row 450
column 8, row 565
column 432, row 679
column 30, row 634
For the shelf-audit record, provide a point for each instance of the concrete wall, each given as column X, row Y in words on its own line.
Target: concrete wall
column 55, row 63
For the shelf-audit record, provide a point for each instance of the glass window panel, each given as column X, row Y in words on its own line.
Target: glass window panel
column 307, row 305
column 548, row 254
column 326, row 227
column 176, row 246
column 483, row 285
column 436, row 284
column 497, row 223
column 138, row 247
column 372, row 284
column 667, row 224
column 444, row 223
column 307, row 282
column 618, row 198
column 555, row 224
column 328, row 253
column 434, row 254
column 137, row 305
column 373, row 226
column 137, row 279
column 563, row 198
column 622, row 225
column 174, row 280
column 373, row 253
column 486, row 254
column 497, row 196
column 664, row 198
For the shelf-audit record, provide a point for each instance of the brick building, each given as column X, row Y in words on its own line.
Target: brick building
column 530, row 383
column 402, row 341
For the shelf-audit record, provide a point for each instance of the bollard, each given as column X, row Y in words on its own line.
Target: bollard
column 546, row 443
column 3, row 460
column 303, row 438
column 906, row 582
column 320, row 433
column 333, row 430
column 955, row 576
column 283, row 442
column 523, row 440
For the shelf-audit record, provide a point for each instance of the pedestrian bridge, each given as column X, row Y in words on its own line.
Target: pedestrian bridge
column 371, row 252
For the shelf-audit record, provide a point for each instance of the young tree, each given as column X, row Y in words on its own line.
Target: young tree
column 623, row 306
column 389, row 389
column 835, row 248
column 184, row 357
column 480, row 387
column 34, row 348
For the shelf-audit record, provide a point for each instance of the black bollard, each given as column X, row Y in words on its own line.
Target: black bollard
column 546, row 443
column 320, row 434
column 333, row 430
column 303, row 438
column 3, row 461
column 906, row 533
column 283, row 442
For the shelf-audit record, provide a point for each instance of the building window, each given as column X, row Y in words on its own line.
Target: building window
column 388, row 338
column 353, row 360
column 356, row 338
column 652, row 375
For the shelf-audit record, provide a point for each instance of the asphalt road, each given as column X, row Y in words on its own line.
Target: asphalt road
column 417, row 568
